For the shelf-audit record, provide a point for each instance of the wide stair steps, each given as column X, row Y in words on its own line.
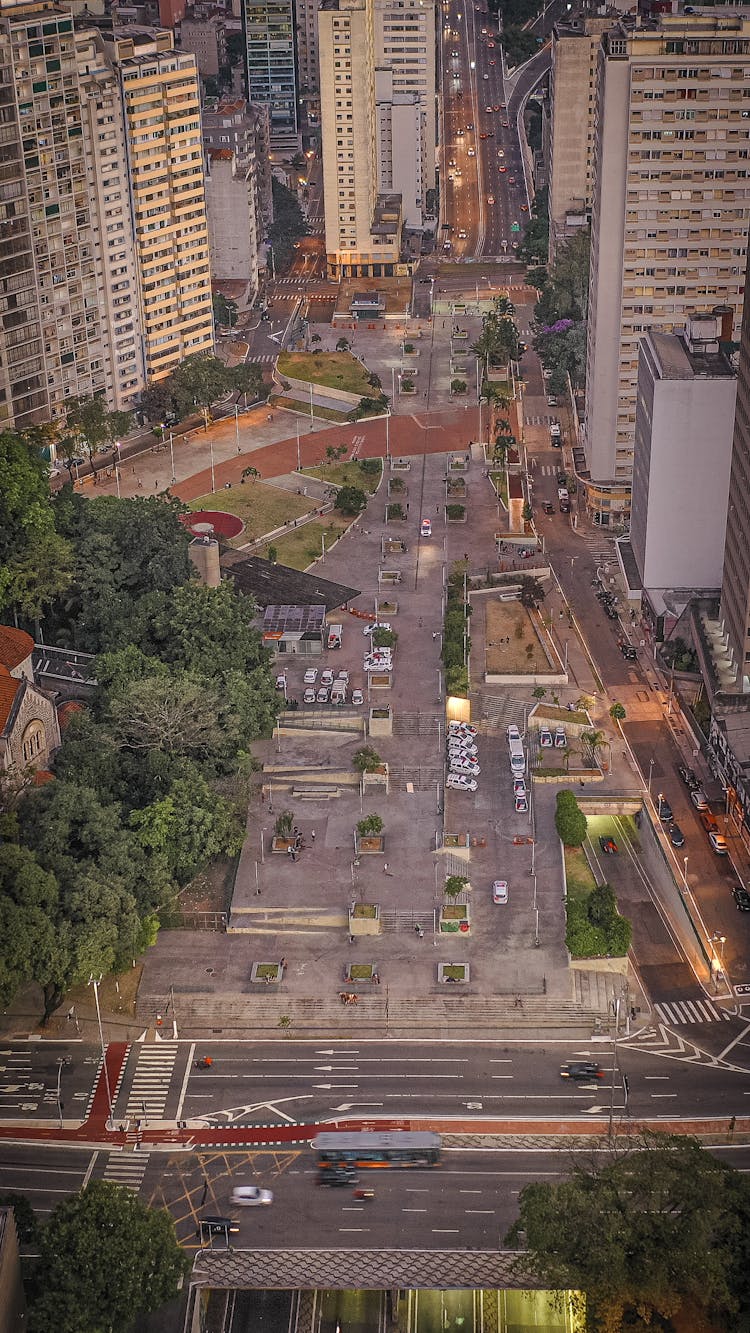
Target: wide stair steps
column 298, row 921
column 376, row 1014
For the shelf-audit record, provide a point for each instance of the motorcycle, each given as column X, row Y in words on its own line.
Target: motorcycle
column 204, row 1063
column 364, row 1194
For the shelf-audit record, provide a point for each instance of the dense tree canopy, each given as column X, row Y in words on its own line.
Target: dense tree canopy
column 35, row 560
column 105, row 1260
column 660, row 1228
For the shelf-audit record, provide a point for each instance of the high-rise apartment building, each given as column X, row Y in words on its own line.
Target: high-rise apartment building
column 68, row 297
column 400, row 157
column 362, row 226
column 670, row 213
column 271, row 66
column 575, row 53
column 161, row 108
column 235, row 137
column 735, row 583
column 405, row 46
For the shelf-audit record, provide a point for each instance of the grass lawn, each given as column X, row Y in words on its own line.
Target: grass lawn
column 346, row 474
column 500, row 483
column 299, row 548
column 261, row 507
column 297, row 405
column 551, row 713
column 578, row 874
column 334, row 370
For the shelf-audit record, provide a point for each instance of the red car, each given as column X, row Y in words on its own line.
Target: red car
column 524, row 208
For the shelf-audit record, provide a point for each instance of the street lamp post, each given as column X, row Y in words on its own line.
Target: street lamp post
column 685, row 860
column 61, row 1061
column 717, row 965
column 296, row 423
column 171, row 456
column 236, row 427
column 650, row 772
column 213, row 473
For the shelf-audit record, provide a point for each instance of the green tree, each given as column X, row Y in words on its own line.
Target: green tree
column 287, row 227
column 342, row 345
column 189, row 826
column 28, row 904
column 225, row 311
column 350, row 500
column 25, row 1218
column 199, row 381
column 644, row 1237
column 208, row 631
column 88, row 420
column 35, row 562
column 593, row 740
column 106, row 1259
column 176, row 715
column 534, row 245
column 157, row 401
column 247, row 380
column 532, row 593
column 617, row 712
column 367, row 760
column 570, row 821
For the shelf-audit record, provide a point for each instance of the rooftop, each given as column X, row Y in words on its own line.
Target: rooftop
column 677, row 362
column 277, row 585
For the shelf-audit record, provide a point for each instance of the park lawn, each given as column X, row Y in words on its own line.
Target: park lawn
column 578, row 875
column 512, row 621
column 298, row 549
column 500, row 482
column 303, row 409
column 334, row 370
column 261, row 507
column 346, row 474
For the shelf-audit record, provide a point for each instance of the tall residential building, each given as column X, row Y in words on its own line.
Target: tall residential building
column 161, row 108
column 207, row 39
column 68, row 297
column 735, row 583
column 235, row 138
column 671, row 204
column 271, row 66
column 575, row 50
column 362, row 227
column 400, row 159
column 307, row 48
column 405, row 45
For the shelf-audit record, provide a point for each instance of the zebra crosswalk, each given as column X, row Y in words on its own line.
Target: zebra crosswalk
column 126, row 1168
column 539, row 420
column 147, row 1096
column 690, row 1011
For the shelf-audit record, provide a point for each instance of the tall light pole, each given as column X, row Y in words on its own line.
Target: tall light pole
column 213, row 473
column 650, row 771
column 61, row 1061
column 95, row 982
column 296, row 424
column 717, row 965
column 236, row 427
column 685, row 860
column 171, row 455
column 117, row 467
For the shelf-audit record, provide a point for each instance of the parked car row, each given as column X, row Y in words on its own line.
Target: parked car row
column 462, row 757
column 699, row 799
column 549, row 739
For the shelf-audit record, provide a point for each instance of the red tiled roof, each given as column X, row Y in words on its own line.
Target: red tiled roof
column 66, row 711
column 9, row 687
column 15, row 646
column 42, row 775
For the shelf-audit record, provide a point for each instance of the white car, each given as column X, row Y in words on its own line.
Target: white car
column 309, row 696
column 326, row 677
column 311, row 675
column 343, row 676
column 522, row 804
column 500, row 891
column 545, row 738
column 426, row 528
column 324, row 695
column 461, row 729
column 357, row 697
column 376, row 666
column 368, row 629
column 251, row 1196
column 463, row 751
column 469, row 766
column 513, row 733
column 460, row 782
column 519, row 787
column 281, row 681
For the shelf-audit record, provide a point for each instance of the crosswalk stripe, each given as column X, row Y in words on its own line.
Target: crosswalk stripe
column 665, row 1013
column 151, row 1080
column 690, row 1011
column 126, row 1169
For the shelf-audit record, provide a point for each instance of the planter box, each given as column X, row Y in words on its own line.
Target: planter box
column 456, row 490
column 381, row 724
column 394, row 517
column 403, row 389
column 364, row 919
column 281, row 844
column 454, row 919
column 400, row 465
column 453, row 973
column 397, row 492
column 458, row 463
column 380, row 681
column 462, row 519
column 387, row 608
column 266, row 974
column 360, row 972
column 371, row 845
column 455, row 839
column 393, row 545
column 389, row 576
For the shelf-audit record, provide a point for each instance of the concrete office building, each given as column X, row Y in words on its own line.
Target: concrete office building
column 404, row 34
column 307, row 60
column 400, row 158
column 207, row 39
column 670, row 213
column 683, row 443
column 69, row 314
column 234, row 134
column 165, row 155
column 735, row 583
column 271, row 67
column 575, row 48
column 362, row 226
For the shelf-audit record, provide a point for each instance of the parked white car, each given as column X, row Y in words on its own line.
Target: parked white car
column 309, row 696
column 324, row 694
column 461, row 729
column 519, row 787
column 368, row 629
column 469, row 751
column 469, row 766
column 310, row 676
column 326, row 677
column 545, row 738
column 461, row 782
column 357, row 697
column 343, row 676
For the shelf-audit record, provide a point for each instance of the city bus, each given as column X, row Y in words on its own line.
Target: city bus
column 372, row 1149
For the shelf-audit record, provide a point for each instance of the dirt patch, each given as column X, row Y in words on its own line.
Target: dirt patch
column 512, row 645
column 117, row 993
column 210, row 891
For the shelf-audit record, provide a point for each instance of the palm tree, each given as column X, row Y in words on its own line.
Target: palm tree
column 594, row 741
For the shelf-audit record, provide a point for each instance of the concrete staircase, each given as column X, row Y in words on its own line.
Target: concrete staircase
column 285, row 920
column 269, row 1010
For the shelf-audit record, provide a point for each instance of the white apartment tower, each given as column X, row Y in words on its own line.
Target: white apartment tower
column 405, row 46
column 400, row 161
column 362, row 226
column 671, row 204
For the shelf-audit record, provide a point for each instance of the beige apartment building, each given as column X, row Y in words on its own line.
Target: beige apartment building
column 575, row 53
column 405, row 46
column 671, row 203
column 362, row 227
column 160, row 96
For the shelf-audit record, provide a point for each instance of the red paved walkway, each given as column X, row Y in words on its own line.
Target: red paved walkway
column 420, row 433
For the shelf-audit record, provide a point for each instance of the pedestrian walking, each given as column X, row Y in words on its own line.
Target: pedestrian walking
column 140, row 484
column 385, row 867
column 312, row 835
column 434, row 635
